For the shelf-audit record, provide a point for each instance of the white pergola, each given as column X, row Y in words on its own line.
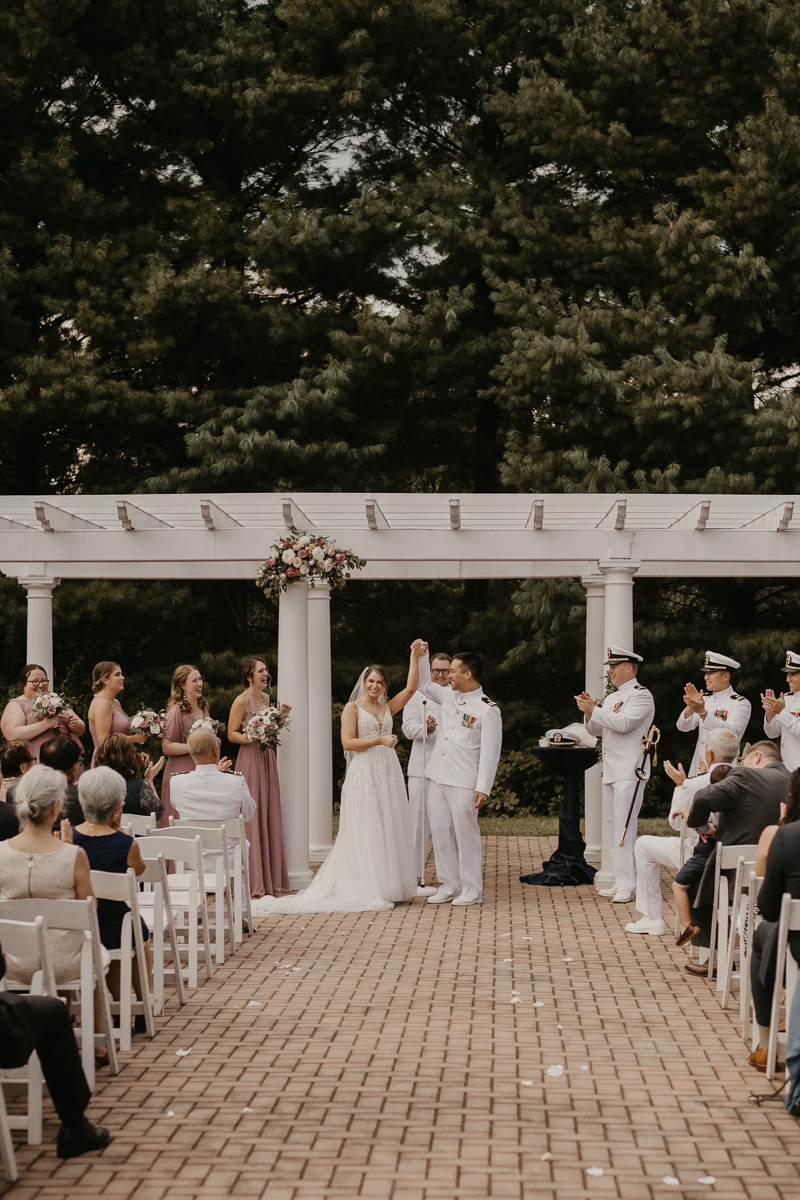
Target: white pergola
column 604, row 540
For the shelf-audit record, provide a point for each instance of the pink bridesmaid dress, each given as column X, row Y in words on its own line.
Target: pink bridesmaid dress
column 268, row 873
column 62, row 729
column 119, row 724
column 178, row 725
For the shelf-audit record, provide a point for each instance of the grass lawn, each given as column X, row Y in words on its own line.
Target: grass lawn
column 531, row 826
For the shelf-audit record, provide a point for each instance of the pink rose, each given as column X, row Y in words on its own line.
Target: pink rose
column 330, row 548
column 286, row 544
column 270, row 562
column 340, row 558
column 291, row 572
column 302, row 554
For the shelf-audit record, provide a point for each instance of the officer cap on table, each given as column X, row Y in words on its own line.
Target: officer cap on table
column 792, row 663
column 617, row 655
column 719, row 662
column 575, row 734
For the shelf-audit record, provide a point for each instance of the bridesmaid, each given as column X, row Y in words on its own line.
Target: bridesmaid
column 186, row 705
column 106, row 714
column 21, row 723
column 268, row 873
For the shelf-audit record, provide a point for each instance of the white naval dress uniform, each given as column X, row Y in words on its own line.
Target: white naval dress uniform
column 622, row 720
column 464, row 761
column 786, row 726
column 206, row 794
column 653, row 852
column 414, row 724
column 724, row 710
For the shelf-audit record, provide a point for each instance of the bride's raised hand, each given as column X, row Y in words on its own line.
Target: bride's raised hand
column 419, row 648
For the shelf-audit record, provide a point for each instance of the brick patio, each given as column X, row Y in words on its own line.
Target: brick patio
column 385, row 1059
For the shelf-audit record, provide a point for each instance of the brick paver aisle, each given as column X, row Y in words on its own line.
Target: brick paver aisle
column 384, row 1058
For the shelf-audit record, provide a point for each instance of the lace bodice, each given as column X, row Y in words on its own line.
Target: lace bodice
column 369, row 726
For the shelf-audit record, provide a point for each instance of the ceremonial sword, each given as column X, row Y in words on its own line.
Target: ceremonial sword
column 649, row 742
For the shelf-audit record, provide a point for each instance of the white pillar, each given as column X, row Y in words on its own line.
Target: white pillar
column 293, row 751
column 40, row 621
column 617, row 631
column 595, row 683
column 320, row 765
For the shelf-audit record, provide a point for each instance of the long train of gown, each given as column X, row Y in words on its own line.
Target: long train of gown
column 371, row 865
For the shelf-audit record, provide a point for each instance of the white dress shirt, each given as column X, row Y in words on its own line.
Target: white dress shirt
column 786, row 726
column 622, row 720
column 469, row 737
column 206, row 794
column 414, row 715
column 723, row 710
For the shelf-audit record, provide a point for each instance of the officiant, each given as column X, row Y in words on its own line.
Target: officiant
column 460, row 771
column 420, row 722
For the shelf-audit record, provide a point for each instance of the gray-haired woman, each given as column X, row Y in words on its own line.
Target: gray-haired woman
column 102, row 795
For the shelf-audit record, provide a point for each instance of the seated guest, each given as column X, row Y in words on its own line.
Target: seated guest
column 43, row 1024
column 66, row 756
column 15, row 760
column 37, row 864
column 782, row 874
column 119, row 753
column 102, row 795
column 9, row 825
column 746, row 802
column 653, row 852
column 692, row 870
column 210, row 792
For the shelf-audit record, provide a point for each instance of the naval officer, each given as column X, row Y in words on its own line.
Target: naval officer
column 460, row 771
column 420, row 722
column 782, row 713
column 622, row 719
column 722, row 708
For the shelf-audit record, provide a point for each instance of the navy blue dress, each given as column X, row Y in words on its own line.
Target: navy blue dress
column 109, row 853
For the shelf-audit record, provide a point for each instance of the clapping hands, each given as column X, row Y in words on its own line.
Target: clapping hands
column 693, row 699
column 772, row 704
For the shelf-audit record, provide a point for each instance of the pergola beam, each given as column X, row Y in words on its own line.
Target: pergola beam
column 215, row 517
column 56, row 520
column 375, row 518
column 132, row 518
column 293, row 515
column 455, row 514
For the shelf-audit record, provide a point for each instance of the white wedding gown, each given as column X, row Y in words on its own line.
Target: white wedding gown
column 371, row 864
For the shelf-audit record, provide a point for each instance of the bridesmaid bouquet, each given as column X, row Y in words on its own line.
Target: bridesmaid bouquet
column 264, row 727
column 300, row 556
column 204, row 723
column 148, row 721
column 49, row 704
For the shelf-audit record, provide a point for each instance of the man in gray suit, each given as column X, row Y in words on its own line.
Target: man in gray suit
column 747, row 801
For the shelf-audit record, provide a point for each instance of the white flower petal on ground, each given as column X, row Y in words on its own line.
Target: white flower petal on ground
column 555, row 1071
column 247, row 1110
column 253, row 1004
column 505, row 960
column 569, row 960
column 526, row 1082
column 671, row 1181
column 515, row 1000
column 505, row 935
column 559, row 1026
column 547, row 1156
column 183, row 1053
column 514, row 992
column 709, row 1179
column 527, row 939
column 595, row 1171
column 538, row 1004
column 297, row 968
column 585, row 1067
column 172, row 1114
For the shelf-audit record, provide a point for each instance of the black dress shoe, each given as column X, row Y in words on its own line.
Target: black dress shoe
column 139, row 1023
column 80, row 1139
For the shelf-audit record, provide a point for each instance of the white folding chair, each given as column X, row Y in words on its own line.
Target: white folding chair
column 726, row 859
column 187, row 901
column 685, row 850
column 109, row 886
column 6, row 1145
column 76, row 915
column 155, row 905
column 789, row 923
column 28, row 940
column 753, row 921
column 136, row 825
column 240, row 871
column 738, row 930
column 217, row 883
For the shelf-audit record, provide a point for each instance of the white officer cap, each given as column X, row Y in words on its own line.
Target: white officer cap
column 719, row 662
column 792, row 663
column 617, row 655
column 575, row 734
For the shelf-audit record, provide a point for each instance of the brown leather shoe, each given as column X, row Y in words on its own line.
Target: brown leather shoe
column 687, row 934
column 700, row 969
column 758, row 1059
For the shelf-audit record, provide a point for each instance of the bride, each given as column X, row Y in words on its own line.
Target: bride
column 371, row 865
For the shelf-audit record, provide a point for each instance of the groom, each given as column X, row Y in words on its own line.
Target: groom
column 461, row 770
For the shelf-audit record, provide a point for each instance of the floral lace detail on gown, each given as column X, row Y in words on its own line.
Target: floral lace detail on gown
column 371, row 866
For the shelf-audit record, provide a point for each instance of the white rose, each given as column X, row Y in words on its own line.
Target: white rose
column 303, row 568
column 304, row 541
column 297, row 562
column 318, row 553
column 287, row 556
column 326, row 566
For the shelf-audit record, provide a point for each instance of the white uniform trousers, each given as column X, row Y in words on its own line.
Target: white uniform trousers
column 456, row 839
column 616, row 802
column 415, row 812
column 652, row 853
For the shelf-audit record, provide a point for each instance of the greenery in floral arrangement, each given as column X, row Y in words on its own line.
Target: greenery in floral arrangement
column 301, row 556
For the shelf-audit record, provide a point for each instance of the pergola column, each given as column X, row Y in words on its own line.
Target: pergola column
column 293, row 751
column 617, row 631
column 40, row 620
column 320, row 765
column 595, row 679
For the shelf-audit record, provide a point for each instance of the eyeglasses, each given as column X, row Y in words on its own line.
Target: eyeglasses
column 440, row 670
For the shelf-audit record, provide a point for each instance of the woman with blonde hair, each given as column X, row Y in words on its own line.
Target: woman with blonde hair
column 186, row 705
column 106, row 714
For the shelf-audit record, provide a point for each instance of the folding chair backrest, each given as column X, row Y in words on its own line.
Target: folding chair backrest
column 108, row 885
column 230, row 824
column 59, row 914
column 178, row 849
column 137, row 825
column 729, row 856
column 211, row 836
column 28, row 939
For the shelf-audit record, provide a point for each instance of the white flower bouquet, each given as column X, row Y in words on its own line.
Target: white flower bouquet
column 49, row 704
column 148, row 721
column 263, row 728
column 204, row 723
column 300, row 556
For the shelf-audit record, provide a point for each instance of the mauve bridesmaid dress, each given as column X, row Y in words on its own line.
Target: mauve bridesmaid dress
column 120, row 723
column 268, row 873
column 178, row 726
